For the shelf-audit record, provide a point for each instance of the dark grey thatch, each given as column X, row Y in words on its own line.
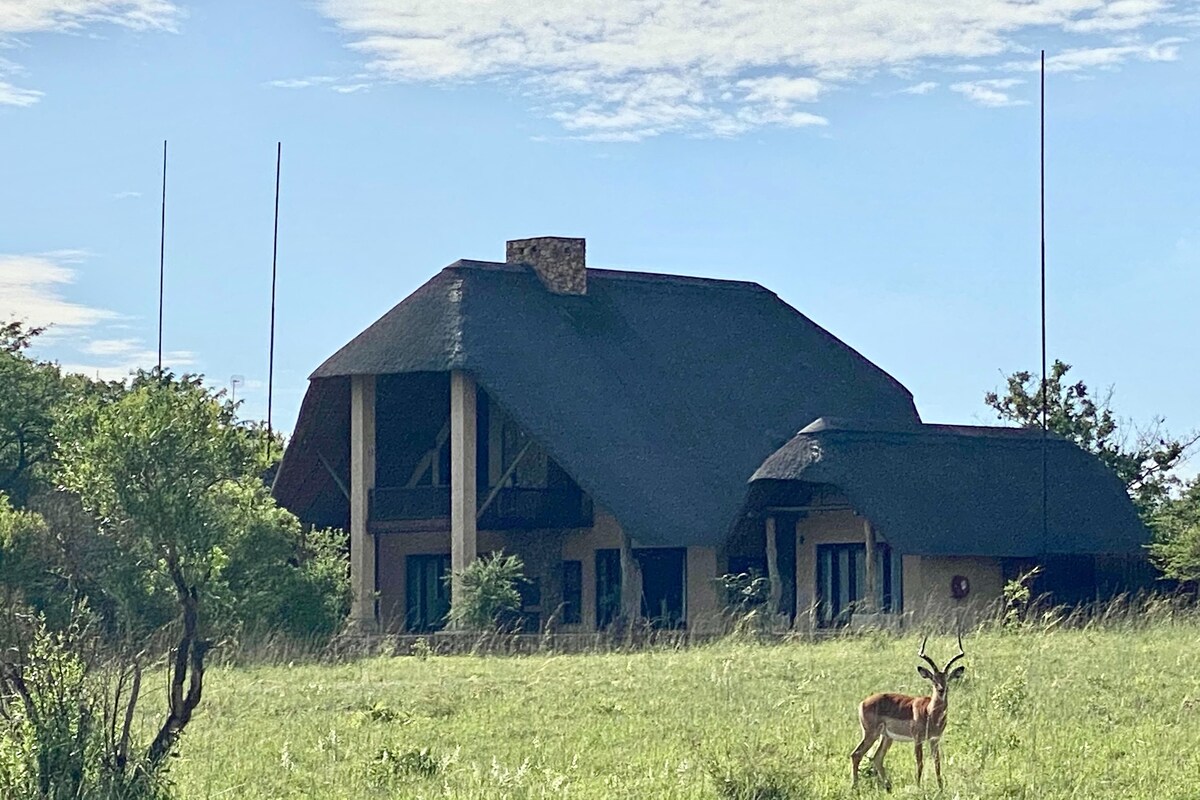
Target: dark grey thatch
column 659, row 394
column 961, row 490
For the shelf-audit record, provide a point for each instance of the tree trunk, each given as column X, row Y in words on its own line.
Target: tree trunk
column 187, row 667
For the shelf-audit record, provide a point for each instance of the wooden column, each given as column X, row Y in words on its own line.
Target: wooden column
column 870, row 606
column 631, row 582
column 773, row 576
column 362, row 481
column 463, row 498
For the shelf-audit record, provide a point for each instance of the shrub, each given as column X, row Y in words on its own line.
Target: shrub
column 753, row 773
column 489, row 593
column 61, row 737
column 274, row 576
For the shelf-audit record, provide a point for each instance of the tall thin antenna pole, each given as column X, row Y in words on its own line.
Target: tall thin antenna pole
column 274, row 259
column 1045, row 399
column 162, row 248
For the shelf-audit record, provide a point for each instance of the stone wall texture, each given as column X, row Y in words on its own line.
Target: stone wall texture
column 560, row 262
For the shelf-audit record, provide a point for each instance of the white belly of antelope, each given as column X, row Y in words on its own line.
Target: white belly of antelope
column 903, row 733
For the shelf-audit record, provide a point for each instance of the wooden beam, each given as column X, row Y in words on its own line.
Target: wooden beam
column 341, row 484
column 773, row 570
column 870, row 602
column 503, row 479
column 428, row 459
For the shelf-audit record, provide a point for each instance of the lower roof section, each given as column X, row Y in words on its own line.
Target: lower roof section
column 963, row 490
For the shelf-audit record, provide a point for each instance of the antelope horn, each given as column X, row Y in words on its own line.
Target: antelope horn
column 921, row 654
column 961, row 653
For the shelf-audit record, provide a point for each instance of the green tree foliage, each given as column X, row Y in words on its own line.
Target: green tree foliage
column 174, row 481
column 1176, row 547
column 489, row 593
column 1144, row 458
column 23, row 537
column 29, row 393
column 271, row 575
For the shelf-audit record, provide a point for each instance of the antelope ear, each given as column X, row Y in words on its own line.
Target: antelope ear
column 924, row 673
column 957, row 673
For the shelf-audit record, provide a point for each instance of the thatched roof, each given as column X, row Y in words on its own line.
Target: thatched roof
column 659, row 394
column 963, row 490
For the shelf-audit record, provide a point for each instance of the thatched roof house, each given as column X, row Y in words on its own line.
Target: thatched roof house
column 597, row 420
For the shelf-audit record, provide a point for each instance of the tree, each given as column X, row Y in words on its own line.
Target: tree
column 1143, row 457
column 155, row 467
column 29, row 392
column 1176, row 547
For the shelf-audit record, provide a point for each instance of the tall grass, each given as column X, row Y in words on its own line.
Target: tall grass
column 1058, row 706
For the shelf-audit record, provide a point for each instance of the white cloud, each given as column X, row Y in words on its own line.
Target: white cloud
column 625, row 71
column 126, row 195
column 16, row 96
column 301, row 83
column 120, row 365
column 23, row 18
column 924, row 87
column 781, row 91
column 31, row 290
column 40, row 16
column 1102, row 57
column 989, row 93
column 351, row 88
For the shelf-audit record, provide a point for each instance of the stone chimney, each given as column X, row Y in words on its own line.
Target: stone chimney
column 560, row 262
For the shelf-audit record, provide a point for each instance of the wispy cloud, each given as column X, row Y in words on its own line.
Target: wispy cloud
column 301, row 83
column 1102, row 57
column 352, row 88
column 626, row 71
column 24, row 18
column 16, row 96
column 35, row 289
column 990, row 93
column 31, row 289
column 126, row 195
column 924, row 87
column 40, row 16
column 117, row 359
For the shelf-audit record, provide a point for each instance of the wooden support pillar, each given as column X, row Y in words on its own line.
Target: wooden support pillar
column 776, row 581
column 870, row 603
column 463, row 498
column 362, row 481
column 631, row 582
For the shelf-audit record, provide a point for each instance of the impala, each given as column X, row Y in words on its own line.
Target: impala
column 892, row 717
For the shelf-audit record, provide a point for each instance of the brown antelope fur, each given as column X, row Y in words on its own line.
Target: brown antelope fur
column 889, row 717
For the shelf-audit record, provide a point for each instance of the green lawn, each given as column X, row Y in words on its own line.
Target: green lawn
column 1072, row 714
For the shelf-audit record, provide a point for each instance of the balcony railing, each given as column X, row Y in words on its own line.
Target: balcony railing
column 511, row 509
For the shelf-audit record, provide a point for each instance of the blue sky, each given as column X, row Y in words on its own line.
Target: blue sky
column 874, row 163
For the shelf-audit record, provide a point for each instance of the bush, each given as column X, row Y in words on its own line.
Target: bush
column 61, row 738
column 1176, row 547
column 489, row 593
column 753, row 773
column 272, row 575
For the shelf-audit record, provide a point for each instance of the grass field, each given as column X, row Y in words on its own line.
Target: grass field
column 1100, row 713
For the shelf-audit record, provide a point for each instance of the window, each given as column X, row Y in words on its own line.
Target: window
column 572, row 592
column 427, row 595
column 608, row 587
column 842, row 581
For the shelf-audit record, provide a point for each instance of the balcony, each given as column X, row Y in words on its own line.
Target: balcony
column 511, row 509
